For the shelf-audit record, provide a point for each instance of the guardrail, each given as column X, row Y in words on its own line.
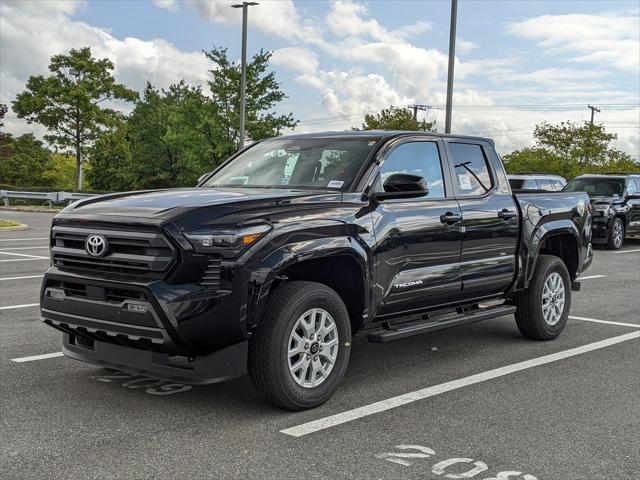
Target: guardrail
column 49, row 197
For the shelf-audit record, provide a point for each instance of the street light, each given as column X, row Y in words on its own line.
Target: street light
column 75, row 73
column 452, row 56
column 243, row 73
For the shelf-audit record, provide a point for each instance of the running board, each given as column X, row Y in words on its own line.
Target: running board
column 398, row 331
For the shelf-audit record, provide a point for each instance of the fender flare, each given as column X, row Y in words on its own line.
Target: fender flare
column 531, row 250
column 267, row 270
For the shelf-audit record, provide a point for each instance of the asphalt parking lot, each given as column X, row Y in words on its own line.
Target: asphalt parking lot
column 478, row 401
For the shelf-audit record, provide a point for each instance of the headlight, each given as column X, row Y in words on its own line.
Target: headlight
column 209, row 240
column 602, row 208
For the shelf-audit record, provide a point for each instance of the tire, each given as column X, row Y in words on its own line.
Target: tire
column 530, row 318
column 616, row 234
column 288, row 308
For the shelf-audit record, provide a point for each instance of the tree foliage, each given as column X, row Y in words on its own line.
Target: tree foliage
column 263, row 93
column 23, row 160
column 570, row 149
column 69, row 101
column 394, row 118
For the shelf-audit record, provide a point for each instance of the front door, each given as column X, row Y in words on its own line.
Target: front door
column 491, row 219
column 417, row 249
column 633, row 190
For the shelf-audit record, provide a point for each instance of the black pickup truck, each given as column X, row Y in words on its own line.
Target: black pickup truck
column 277, row 258
column 615, row 199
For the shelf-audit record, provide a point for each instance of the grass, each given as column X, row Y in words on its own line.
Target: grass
column 8, row 223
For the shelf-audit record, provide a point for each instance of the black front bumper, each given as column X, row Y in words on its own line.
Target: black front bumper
column 600, row 230
column 180, row 332
column 222, row 365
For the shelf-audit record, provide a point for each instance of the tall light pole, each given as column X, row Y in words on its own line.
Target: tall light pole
column 452, row 56
column 243, row 72
column 75, row 73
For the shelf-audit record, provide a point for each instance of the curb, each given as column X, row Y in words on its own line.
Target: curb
column 16, row 228
column 31, row 210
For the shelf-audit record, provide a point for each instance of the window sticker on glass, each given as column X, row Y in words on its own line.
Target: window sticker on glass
column 464, row 181
column 335, row 184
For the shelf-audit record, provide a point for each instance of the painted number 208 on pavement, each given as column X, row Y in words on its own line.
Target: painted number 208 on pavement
column 451, row 467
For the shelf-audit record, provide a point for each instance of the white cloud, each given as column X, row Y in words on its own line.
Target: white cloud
column 295, row 58
column 29, row 37
column 609, row 38
column 171, row 5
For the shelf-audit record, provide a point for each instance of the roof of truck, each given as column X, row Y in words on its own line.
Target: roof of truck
column 383, row 134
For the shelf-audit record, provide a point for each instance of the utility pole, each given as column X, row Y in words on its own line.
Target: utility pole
column 422, row 108
column 593, row 112
column 452, row 56
column 243, row 72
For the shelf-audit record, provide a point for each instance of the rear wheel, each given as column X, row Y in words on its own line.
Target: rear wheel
column 616, row 234
column 543, row 309
column 300, row 351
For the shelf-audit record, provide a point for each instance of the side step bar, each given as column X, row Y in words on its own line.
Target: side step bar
column 398, row 331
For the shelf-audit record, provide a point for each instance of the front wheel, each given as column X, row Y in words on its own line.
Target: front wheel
column 543, row 309
column 616, row 234
column 300, row 351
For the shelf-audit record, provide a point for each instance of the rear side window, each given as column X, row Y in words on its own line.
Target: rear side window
column 544, row 184
column 472, row 171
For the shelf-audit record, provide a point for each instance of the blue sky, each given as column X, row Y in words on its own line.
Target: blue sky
column 518, row 62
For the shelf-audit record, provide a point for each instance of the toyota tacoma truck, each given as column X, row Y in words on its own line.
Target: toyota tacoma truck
column 294, row 245
column 615, row 199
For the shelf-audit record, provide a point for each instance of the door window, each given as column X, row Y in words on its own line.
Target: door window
column 472, row 171
column 416, row 158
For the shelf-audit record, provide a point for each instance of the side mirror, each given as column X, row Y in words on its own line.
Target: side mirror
column 403, row 185
column 202, row 177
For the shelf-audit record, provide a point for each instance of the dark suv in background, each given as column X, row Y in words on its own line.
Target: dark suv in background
column 615, row 199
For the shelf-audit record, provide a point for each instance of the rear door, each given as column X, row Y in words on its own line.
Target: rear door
column 417, row 250
column 490, row 218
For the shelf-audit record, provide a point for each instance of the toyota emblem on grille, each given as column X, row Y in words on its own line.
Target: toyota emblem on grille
column 96, row 245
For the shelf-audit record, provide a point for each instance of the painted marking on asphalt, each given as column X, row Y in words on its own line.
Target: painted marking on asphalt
column 608, row 322
column 590, row 277
column 5, row 249
column 6, row 279
column 24, row 259
column 11, row 307
column 22, row 255
column 627, row 251
column 22, row 239
column 394, row 402
column 37, row 357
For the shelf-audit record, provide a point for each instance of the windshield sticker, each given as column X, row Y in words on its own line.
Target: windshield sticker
column 335, row 184
column 464, row 181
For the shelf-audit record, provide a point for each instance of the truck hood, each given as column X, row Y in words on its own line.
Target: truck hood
column 169, row 203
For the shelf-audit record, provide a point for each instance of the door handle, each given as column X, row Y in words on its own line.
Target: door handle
column 506, row 214
column 450, row 218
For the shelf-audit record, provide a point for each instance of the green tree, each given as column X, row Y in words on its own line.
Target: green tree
column 69, row 101
column 59, row 173
column 570, row 149
column 394, row 118
column 111, row 161
column 263, row 94
column 3, row 111
column 168, row 133
column 23, row 160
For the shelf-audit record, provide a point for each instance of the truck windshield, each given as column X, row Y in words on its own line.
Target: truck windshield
column 324, row 163
column 605, row 187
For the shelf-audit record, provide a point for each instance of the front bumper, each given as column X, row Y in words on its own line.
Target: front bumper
column 222, row 365
column 600, row 230
column 184, row 319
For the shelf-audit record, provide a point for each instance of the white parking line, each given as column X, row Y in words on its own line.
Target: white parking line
column 627, row 251
column 5, row 249
column 24, row 259
column 590, row 277
column 381, row 406
column 21, row 255
column 22, row 239
column 11, row 307
column 37, row 357
column 608, row 322
column 6, row 279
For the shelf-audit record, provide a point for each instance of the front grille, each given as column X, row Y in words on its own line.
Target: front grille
column 211, row 276
column 138, row 253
